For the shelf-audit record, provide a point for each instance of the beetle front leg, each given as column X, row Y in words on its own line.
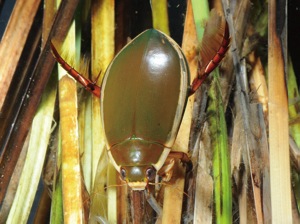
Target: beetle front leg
column 166, row 170
column 183, row 157
column 88, row 84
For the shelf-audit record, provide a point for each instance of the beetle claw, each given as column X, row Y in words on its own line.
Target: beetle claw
column 166, row 171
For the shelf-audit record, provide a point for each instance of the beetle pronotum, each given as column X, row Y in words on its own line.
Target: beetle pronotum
column 143, row 101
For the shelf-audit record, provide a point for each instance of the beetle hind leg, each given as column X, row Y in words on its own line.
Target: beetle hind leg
column 214, row 46
column 88, row 84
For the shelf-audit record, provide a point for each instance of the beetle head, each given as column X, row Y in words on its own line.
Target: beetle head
column 137, row 177
column 137, row 160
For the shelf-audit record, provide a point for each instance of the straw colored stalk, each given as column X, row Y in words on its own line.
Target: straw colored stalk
column 103, row 27
column 263, row 147
column 203, row 211
column 258, row 84
column 14, row 179
column 244, row 183
column 237, row 18
column 245, row 147
column 71, row 175
column 85, row 99
column 40, row 134
column 48, row 16
column 56, row 211
column 13, row 41
column 85, row 137
column 278, row 126
column 70, row 159
column 14, row 140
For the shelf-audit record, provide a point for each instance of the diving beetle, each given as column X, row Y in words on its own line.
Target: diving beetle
column 143, row 101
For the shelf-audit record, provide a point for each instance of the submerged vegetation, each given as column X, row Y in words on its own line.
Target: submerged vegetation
column 240, row 129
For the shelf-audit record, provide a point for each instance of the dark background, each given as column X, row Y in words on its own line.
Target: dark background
column 294, row 35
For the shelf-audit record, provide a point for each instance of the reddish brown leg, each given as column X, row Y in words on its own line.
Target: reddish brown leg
column 213, row 63
column 88, row 84
column 180, row 155
column 167, row 169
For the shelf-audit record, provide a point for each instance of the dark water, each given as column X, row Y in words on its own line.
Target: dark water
column 6, row 8
column 294, row 35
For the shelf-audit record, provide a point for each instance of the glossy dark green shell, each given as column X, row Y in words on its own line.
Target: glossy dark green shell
column 144, row 91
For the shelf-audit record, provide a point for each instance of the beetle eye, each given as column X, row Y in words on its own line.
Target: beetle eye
column 123, row 173
column 150, row 173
